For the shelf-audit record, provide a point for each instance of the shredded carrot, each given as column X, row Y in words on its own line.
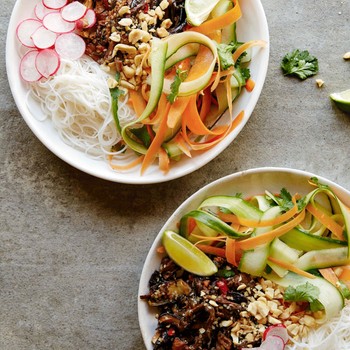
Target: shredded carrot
column 212, row 239
column 145, row 91
column 182, row 144
column 250, row 84
column 155, row 118
column 246, row 46
column 191, row 224
column 138, row 102
column 230, row 251
column 326, row 220
column 153, row 149
column 212, row 142
column 176, row 111
column 329, row 275
column 201, row 63
column 252, row 242
column 206, row 103
column 216, row 36
column 127, row 166
column 229, row 94
column 291, row 267
column 191, row 119
column 185, row 64
column 164, row 162
column 220, row 22
column 150, row 131
column 261, row 223
column 208, row 249
column 345, row 274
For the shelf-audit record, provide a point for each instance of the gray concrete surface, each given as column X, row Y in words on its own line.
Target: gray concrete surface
column 72, row 246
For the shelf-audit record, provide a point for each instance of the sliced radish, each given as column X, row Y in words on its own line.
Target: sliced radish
column 44, row 38
column 25, row 29
column 53, row 21
column 27, row 67
column 89, row 19
column 54, row 4
column 277, row 330
column 70, row 46
column 274, row 338
column 40, row 10
column 273, row 342
column 73, row 11
column 47, row 62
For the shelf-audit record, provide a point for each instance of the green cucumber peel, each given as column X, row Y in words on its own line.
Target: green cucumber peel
column 343, row 209
column 176, row 52
column 323, row 258
column 306, row 241
column 254, row 261
column 210, row 221
column 235, row 205
column 158, row 58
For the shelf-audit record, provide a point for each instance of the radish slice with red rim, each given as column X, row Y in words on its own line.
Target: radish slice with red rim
column 273, row 342
column 89, row 19
column 274, row 338
column 277, row 330
column 27, row 67
column 25, row 29
column 54, row 4
column 53, row 21
column 40, row 10
column 47, row 62
column 73, row 11
column 70, row 46
column 44, row 38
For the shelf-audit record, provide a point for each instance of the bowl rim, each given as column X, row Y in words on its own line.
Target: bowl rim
column 72, row 156
column 144, row 277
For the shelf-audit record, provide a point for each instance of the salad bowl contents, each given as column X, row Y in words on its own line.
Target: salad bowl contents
column 137, row 91
column 264, row 251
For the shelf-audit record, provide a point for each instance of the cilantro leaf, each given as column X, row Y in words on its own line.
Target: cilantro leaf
column 245, row 73
column 180, row 76
column 300, row 64
column 306, row 293
column 286, row 199
column 225, row 55
column 316, row 182
column 225, row 52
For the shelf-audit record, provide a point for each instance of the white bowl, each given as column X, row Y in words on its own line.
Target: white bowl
column 249, row 183
column 251, row 26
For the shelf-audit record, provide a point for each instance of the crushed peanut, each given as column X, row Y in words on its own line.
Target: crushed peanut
column 125, row 31
column 319, row 82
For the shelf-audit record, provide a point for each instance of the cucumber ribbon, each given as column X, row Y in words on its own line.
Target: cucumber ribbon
column 164, row 54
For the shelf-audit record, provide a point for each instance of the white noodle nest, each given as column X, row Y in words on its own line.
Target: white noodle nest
column 78, row 101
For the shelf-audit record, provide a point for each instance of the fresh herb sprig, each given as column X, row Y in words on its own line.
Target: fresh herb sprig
column 300, row 64
column 180, row 76
column 304, row 293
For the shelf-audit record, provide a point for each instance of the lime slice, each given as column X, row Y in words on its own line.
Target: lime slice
column 342, row 100
column 187, row 255
column 197, row 11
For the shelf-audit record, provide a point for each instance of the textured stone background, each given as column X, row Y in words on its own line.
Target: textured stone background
column 72, row 246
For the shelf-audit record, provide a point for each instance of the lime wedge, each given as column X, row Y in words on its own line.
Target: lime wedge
column 187, row 255
column 197, row 11
column 342, row 100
